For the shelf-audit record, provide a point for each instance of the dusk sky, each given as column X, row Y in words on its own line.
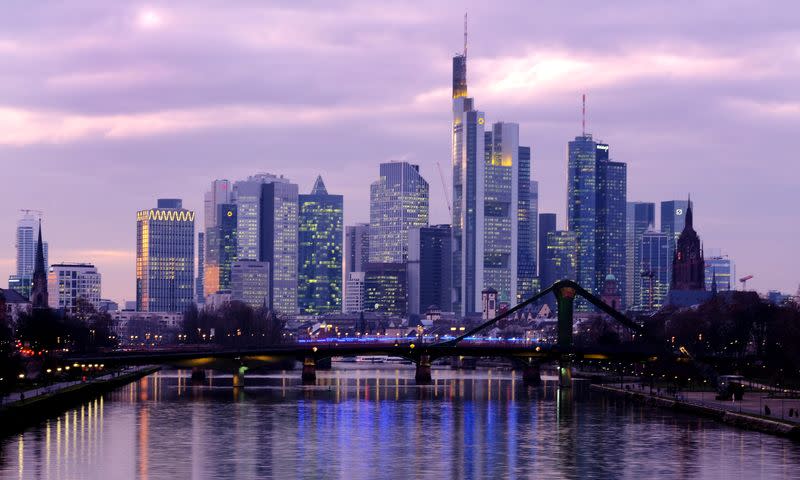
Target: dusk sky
column 107, row 106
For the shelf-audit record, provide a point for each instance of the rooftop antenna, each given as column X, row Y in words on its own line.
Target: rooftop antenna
column 465, row 35
column 583, row 117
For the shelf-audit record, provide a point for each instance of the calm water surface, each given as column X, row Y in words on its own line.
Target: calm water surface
column 373, row 422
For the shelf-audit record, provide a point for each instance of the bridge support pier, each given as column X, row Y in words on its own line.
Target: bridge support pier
column 423, row 373
column 565, row 373
column 238, row 379
column 532, row 374
column 198, row 375
column 309, row 370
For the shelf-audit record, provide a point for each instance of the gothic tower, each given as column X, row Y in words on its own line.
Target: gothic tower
column 688, row 266
column 39, row 287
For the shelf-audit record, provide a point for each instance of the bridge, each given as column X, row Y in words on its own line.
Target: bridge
column 528, row 355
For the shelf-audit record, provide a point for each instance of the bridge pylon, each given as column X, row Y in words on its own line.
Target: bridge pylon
column 423, row 373
column 309, row 370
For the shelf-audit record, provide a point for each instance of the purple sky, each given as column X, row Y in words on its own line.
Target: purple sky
column 106, row 106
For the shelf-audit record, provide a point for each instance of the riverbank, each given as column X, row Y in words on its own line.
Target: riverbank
column 737, row 419
column 33, row 408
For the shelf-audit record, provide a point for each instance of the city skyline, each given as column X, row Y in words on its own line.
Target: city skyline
column 130, row 152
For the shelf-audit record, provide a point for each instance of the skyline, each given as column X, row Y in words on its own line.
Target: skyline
column 149, row 103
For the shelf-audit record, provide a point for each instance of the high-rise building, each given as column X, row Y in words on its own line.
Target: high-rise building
column 250, row 283
column 688, row 266
column 527, row 285
column 267, row 230
column 354, row 296
column 221, row 249
column 164, row 257
column 27, row 233
column 385, row 288
column 534, row 222
column 199, row 282
column 640, row 217
column 653, row 273
column 582, row 206
column 320, row 253
column 561, row 256
column 547, row 224
column 611, row 210
column 67, row 282
column 398, row 201
column 720, row 270
column 429, row 268
column 356, row 247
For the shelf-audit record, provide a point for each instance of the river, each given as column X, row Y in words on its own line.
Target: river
column 363, row 421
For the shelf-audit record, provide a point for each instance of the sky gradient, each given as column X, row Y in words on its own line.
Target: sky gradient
column 107, row 106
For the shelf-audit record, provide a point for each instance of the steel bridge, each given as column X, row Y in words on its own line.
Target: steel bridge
column 528, row 355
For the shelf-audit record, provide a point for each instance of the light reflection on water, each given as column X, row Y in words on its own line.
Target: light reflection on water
column 359, row 422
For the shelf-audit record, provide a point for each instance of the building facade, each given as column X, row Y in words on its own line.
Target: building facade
column 640, row 217
column 611, row 207
column 199, row 283
column 250, row 283
column 582, row 206
column 354, row 296
column 653, row 273
column 385, row 288
column 221, row 249
column 398, row 202
column 561, row 257
column 356, row 247
column 547, row 224
column 321, row 223
column 721, row 270
column 25, row 242
column 67, row 282
column 527, row 210
column 429, row 269
column 165, row 257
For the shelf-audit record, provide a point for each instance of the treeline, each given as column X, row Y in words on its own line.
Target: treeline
column 85, row 330
column 233, row 323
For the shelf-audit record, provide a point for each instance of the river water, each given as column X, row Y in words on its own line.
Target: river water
column 362, row 422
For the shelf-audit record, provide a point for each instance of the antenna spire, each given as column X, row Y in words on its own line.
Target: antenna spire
column 465, row 35
column 583, row 116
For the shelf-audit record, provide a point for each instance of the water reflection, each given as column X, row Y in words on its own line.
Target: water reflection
column 376, row 423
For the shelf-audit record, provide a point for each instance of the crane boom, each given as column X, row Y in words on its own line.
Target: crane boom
column 444, row 187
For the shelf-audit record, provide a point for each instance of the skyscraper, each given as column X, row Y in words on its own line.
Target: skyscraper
column 534, row 222
column 320, row 252
column 398, row 201
column 385, row 288
column 640, row 217
column 547, row 224
column 67, row 282
column 250, row 283
column 611, row 210
column 221, row 249
column 26, row 235
column 721, row 270
column 356, row 247
column 429, row 268
column 561, row 255
column 164, row 257
column 354, row 296
column 582, row 206
column 527, row 285
column 199, row 282
column 653, row 274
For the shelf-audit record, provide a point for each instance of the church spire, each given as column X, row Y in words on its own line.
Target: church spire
column 689, row 219
column 39, row 286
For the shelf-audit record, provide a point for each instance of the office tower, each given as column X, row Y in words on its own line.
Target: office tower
column 611, row 210
column 688, row 267
column 201, row 259
column 220, row 193
column 640, row 217
column 582, row 206
column 320, row 253
column 25, row 242
column 429, row 268
column 653, row 274
column 526, row 220
column 354, row 296
column 250, row 283
column 67, row 282
column 673, row 219
column 547, row 224
column 469, row 166
column 719, row 270
column 164, row 257
column 221, row 249
column 39, row 277
column 534, row 222
column 398, row 201
column 267, row 230
column 356, row 247
column 385, row 288
column 561, row 256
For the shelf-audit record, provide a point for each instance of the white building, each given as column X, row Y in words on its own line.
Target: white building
column 354, row 293
column 67, row 282
column 250, row 282
column 145, row 327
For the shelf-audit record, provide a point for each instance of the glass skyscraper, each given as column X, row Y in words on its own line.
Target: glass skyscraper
column 320, row 252
column 547, row 224
column 27, row 233
column 221, row 248
column 165, row 257
column 655, row 269
column 527, row 205
column 250, row 283
column 429, row 269
column 611, row 203
column 720, row 268
column 561, row 255
column 582, row 206
column 385, row 288
column 356, row 242
column 640, row 217
column 398, row 201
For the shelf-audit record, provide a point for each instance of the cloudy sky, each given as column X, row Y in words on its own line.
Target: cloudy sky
column 106, row 106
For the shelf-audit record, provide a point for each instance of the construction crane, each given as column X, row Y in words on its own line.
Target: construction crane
column 444, row 187
column 744, row 280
